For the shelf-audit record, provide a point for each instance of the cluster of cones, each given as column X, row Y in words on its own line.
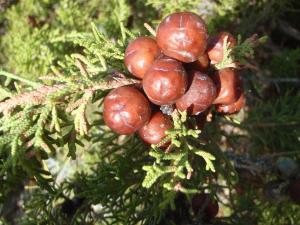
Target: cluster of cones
column 177, row 70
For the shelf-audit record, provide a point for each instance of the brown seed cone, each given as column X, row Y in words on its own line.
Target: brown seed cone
column 153, row 132
column 182, row 36
column 232, row 108
column 211, row 207
column 126, row 110
column 140, row 54
column 215, row 46
column 200, row 95
column 165, row 81
column 229, row 86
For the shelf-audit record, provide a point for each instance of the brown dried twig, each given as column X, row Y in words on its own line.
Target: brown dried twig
column 150, row 29
column 40, row 95
column 35, row 97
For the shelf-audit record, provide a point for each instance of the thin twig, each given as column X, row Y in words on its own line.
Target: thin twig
column 261, row 125
column 150, row 29
column 115, row 83
column 277, row 154
column 266, row 125
column 81, row 67
column 274, row 80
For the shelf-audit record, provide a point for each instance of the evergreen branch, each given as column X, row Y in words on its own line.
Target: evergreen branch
column 5, row 93
column 80, row 121
column 5, row 139
column 74, row 105
column 39, row 133
column 15, row 77
column 54, row 122
column 13, row 151
column 228, row 58
column 176, row 164
column 208, row 159
column 246, row 48
column 154, row 172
